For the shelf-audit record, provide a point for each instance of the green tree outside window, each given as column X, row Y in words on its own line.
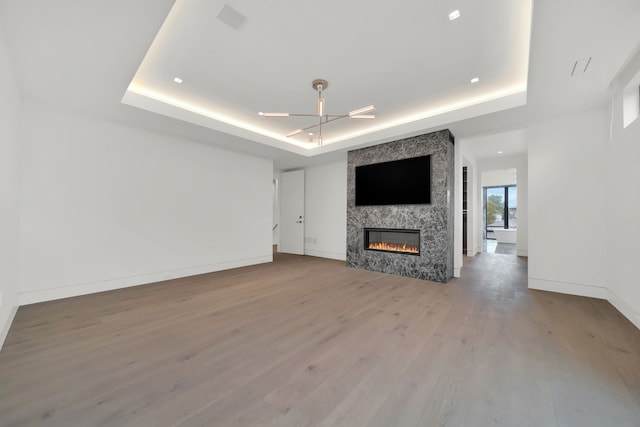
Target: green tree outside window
column 495, row 206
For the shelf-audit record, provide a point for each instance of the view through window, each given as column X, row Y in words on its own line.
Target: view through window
column 501, row 209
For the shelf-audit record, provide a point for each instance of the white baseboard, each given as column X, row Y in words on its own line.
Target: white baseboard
column 568, row 288
column 523, row 252
column 325, row 254
column 588, row 291
column 32, row 297
column 6, row 325
column 625, row 309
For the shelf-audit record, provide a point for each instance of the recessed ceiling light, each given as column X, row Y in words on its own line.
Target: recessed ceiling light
column 500, row 152
column 310, row 134
column 261, row 113
column 475, row 80
column 177, row 80
column 454, row 15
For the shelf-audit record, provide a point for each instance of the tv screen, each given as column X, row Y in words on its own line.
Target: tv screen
column 401, row 182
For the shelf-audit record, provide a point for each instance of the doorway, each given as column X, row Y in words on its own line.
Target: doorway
column 500, row 212
column 292, row 212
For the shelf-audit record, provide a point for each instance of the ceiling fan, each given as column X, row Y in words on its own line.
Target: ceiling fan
column 323, row 118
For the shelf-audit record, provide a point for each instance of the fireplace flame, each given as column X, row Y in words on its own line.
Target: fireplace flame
column 394, row 247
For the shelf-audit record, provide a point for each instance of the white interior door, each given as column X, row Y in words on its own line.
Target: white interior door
column 292, row 213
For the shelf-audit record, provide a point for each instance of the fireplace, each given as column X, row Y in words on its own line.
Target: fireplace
column 433, row 260
column 392, row 240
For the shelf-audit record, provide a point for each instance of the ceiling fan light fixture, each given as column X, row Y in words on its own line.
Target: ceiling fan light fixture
column 321, row 113
column 320, row 107
column 361, row 111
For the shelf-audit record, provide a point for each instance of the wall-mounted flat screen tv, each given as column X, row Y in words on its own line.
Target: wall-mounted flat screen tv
column 400, row 182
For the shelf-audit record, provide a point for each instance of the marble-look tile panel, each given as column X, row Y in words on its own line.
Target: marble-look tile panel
column 434, row 220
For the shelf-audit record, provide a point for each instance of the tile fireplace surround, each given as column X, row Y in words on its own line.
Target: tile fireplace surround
column 434, row 220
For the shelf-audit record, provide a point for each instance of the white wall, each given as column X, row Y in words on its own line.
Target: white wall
column 622, row 205
column 567, row 197
column 9, row 175
column 105, row 206
column 520, row 164
column 276, row 209
column 326, row 210
column 499, row 177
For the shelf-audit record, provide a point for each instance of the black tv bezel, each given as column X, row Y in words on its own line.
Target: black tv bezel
column 426, row 201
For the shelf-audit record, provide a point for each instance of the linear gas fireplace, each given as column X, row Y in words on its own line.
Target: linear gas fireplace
column 392, row 240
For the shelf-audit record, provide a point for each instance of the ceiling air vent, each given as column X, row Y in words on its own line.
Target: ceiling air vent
column 231, row 17
column 580, row 66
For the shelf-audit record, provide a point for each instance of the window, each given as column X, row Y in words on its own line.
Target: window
column 631, row 101
column 500, row 209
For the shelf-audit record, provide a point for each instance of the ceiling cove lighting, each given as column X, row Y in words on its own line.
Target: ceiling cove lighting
column 514, row 91
column 323, row 118
column 154, row 100
column 454, row 15
column 201, row 111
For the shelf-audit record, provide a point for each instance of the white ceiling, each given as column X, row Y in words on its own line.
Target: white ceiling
column 496, row 145
column 410, row 61
column 404, row 57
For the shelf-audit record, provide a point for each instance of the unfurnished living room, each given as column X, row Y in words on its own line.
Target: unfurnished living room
column 419, row 213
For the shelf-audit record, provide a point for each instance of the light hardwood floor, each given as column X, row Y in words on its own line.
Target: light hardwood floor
column 308, row 342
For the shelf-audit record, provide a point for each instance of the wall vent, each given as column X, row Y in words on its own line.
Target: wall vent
column 231, row 17
column 580, row 66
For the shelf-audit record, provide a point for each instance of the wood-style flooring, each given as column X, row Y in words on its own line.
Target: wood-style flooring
column 308, row 342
